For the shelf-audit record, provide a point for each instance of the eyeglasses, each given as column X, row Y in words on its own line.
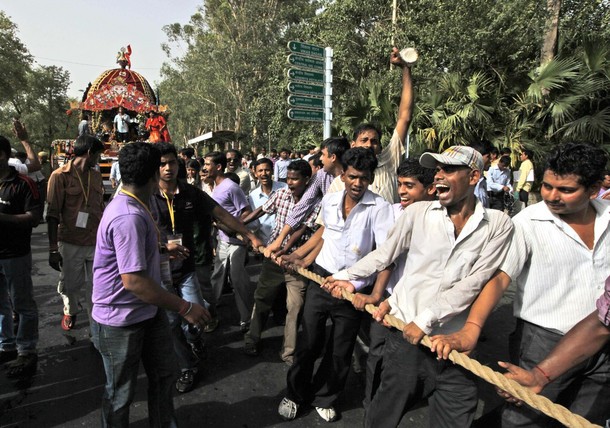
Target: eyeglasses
column 231, row 159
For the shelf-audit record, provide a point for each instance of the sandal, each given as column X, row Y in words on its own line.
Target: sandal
column 68, row 322
column 24, row 365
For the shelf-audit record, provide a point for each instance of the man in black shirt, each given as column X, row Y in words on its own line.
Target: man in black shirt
column 19, row 212
column 178, row 208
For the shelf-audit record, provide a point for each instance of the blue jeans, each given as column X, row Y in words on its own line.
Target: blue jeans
column 17, row 294
column 122, row 349
column 182, row 334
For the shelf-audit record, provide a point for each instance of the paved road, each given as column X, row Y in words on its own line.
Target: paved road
column 234, row 391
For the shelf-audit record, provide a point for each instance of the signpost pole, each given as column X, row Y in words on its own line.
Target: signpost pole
column 328, row 91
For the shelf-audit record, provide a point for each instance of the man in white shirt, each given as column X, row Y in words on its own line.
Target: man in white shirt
column 355, row 221
column 121, row 125
column 558, row 259
column 498, row 183
column 454, row 245
column 369, row 136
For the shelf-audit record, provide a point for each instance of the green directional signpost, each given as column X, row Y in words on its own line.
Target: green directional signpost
column 297, row 101
column 310, row 84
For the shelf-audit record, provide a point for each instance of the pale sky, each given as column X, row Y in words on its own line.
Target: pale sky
column 84, row 36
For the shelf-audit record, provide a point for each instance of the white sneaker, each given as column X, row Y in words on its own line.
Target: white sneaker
column 288, row 409
column 329, row 415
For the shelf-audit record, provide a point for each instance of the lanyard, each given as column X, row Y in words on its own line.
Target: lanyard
column 170, row 208
column 85, row 193
column 131, row 195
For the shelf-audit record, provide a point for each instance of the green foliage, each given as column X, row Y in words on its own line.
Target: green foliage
column 36, row 95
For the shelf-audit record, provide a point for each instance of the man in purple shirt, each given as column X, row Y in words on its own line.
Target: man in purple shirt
column 127, row 323
column 230, row 250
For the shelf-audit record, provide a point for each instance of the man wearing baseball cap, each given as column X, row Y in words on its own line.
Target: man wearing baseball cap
column 453, row 247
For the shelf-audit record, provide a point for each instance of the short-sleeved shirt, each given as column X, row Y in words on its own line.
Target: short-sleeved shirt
column 230, row 196
column 127, row 242
column 122, row 122
column 191, row 206
column 281, row 204
column 66, row 198
column 258, row 198
column 558, row 277
column 18, row 195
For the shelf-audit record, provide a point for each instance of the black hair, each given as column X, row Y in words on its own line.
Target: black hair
column 22, row 156
column 138, row 163
column 315, row 160
column 505, row 160
column 193, row 164
column 233, row 177
column 412, row 168
column 301, row 166
column 5, row 146
column 263, row 161
column 273, row 150
column 189, row 152
column 359, row 158
column 528, row 153
column 363, row 127
column 181, row 169
column 495, row 151
column 87, row 143
column 335, row 146
column 218, row 158
column 506, row 151
column 167, row 149
column 484, row 147
column 284, row 149
column 238, row 154
column 583, row 160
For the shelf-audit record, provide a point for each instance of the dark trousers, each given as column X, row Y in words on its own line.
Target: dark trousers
column 584, row 390
column 122, row 349
column 411, row 373
column 496, row 201
column 323, row 388
column 524, row 196
column 378, row 334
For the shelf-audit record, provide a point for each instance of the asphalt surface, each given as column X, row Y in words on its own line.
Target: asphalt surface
column 234, row 390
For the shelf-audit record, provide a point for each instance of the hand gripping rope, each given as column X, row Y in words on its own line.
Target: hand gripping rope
column 543, row 404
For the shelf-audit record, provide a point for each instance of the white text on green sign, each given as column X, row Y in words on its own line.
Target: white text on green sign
column 306, row 115
column 306, row 49
column 307, row 76
column 306, row 89
column 297, row 101
column 305, row 62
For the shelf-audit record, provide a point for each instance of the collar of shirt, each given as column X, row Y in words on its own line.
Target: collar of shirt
column 540, row 212
column 479, row 215
column 259, row 194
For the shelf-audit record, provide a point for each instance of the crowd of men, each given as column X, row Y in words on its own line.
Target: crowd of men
column 429, row 240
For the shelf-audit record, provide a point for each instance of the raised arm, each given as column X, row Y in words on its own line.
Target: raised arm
column 405, row 109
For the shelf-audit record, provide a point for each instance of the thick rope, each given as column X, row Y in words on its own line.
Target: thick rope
column 543, row 404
